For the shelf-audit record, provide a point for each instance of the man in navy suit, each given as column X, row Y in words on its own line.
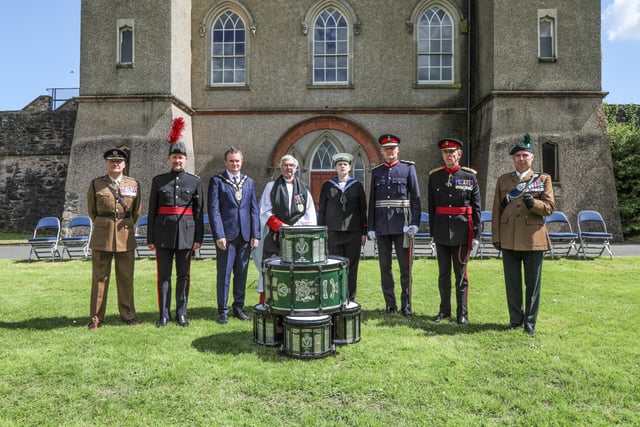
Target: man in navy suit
column 235, row 224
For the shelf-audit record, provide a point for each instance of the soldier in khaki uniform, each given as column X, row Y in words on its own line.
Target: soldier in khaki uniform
column 114, row 206
column 521, row 201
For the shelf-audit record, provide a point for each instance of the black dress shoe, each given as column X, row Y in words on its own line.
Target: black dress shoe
column 512, row 326
column 528, row 329
column 406, row 312
column 463, row 320
column 182, row 321
column 239, row 314
column 162, row 322
column 222, row 319
column 440, row 317
column 390, row 310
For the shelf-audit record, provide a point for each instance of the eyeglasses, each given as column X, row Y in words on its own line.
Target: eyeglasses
column 288, row 165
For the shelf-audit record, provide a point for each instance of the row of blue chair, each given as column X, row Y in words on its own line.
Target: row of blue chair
column 47, row 243
column 592, row 238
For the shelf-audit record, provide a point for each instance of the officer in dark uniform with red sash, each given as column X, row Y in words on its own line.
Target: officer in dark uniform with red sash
column 176, row 227
column 454, row 222
column 394, row 216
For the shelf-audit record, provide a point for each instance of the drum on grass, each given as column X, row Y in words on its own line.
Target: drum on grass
column 267, row 327
column 346, row 324
column 303, row 245
column 307, row 337
column 305, row 289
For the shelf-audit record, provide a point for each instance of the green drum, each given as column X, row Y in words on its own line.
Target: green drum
column 308, row 337
column 306, row 289
column 267, row 327
column 346, row 324
column 303, row 245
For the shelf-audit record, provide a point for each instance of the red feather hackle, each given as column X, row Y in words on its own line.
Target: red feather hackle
column 176, row 130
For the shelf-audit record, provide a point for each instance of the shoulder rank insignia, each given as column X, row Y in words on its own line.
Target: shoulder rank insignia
column 409, row 162
column 436, row 170
column 473, row 171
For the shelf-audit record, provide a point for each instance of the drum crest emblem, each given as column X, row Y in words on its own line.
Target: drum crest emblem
column 307, row 341
column 302, row 247
column 283, row 289
column 305, row 290
column 329, row 291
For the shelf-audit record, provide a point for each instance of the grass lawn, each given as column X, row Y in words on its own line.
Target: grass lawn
column 581, row 367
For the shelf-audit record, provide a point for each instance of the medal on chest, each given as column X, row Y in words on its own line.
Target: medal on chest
column 299, row 202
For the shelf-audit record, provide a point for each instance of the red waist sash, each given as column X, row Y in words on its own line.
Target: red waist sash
column 453, row 210
column 175, row 210
column 460, row 210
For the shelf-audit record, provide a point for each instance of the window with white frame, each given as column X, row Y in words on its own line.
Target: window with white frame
column 330, row 48
column 435, row 47
column 228, row 50
column 125, row 42
column 547, row 33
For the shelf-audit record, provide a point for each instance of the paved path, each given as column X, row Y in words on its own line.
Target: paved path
column 22, row 251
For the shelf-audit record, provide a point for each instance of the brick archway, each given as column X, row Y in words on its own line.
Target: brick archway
column 358, row 133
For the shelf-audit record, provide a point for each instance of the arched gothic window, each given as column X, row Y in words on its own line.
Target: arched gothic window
column 435, row 42
column 228, row 50
column 330, row 48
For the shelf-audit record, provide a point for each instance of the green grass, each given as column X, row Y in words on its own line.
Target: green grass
column 12, row 238
column 580, row 368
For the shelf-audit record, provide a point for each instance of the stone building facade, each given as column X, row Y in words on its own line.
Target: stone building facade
column 314, row 77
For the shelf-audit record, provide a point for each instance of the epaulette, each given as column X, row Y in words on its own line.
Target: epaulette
column 409, row 162
column 473, row 171
column 377, row 166
column 436, row 170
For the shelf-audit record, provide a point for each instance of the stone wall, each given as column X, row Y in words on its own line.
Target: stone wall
column 34, row 157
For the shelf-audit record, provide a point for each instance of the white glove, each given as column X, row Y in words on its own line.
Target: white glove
column 412, row 230
column 474, row 244
column 372, row 235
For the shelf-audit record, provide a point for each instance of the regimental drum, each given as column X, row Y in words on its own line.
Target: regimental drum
column 267, row 327
column 305, row 289
column 303, row 245
column 308, row 337
column 346, row 324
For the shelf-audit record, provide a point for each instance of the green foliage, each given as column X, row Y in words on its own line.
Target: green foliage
column 581, row 367
column 625, row 153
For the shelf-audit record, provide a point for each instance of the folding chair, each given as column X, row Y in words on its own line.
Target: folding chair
column 208, row 248
column 142, row 250
column 77, row 237
column 423, row 244
column 560, row 233
column 46, row 236
column 485, row 247
column 592, row 229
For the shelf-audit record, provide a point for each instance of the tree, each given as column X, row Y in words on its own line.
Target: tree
column 623, row 126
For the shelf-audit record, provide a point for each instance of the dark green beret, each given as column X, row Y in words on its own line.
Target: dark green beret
column 524, row 145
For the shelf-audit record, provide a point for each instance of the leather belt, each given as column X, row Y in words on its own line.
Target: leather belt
column 393, row 203
column 115, row 215
column 175, row 210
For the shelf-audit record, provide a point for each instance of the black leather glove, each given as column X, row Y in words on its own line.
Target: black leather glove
column 497, row 246
column 528, row 200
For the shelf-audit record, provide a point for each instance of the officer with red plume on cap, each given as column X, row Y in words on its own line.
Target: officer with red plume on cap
column 176, row 227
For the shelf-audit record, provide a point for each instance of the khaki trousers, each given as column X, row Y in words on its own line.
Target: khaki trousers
column 124, row 266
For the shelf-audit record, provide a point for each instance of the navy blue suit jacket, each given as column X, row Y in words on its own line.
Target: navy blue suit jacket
column 229, row 217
